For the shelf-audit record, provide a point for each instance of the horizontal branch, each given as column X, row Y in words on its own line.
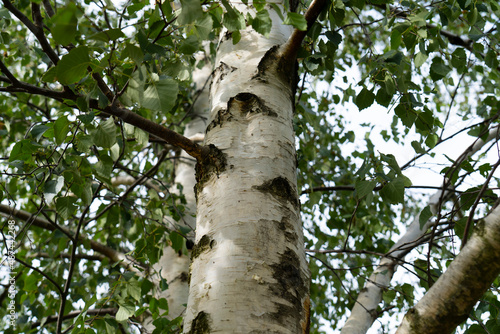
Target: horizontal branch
column 124, row 260
column 377, row 188
column 96, row 257
column 74, row 314
column 192, row 148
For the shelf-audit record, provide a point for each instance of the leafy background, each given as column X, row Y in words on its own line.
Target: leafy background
column 431, row 66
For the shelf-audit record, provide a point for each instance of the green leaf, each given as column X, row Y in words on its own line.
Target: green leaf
column 420, row 59
column 108, row 35
column 30, row 283
column 61, row 128
column 363, row 188
column 395, row 39
column 161, row 95
column 38, row 131
column 52, row 188
column 105, row 133
column 104, row 167
column 125, row 311
column 134, row 289
column 233, row 20
column 424, row 216
column 236, row 36
column 459, row 59
column 459, row 227
column 66, row 206
column 64, row 24
column 417, row 147
column 365, row 98
column 22, row 150
column 491, row 59
column 189, row 45
column 390, row 87
column 383, row 98
column 203, row 27
column 391, row 161
column 133, row 52
column 392, row 56
column 50, row 75
column 262, row 23
column 406, row 114
column 190, row 11
column 438, row 69
column 334, row 37
column 296, row 20
column 73, row 66
column 394, row 190
column 177, row 240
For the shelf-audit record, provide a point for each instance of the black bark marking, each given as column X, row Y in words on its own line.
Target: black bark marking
column 290, row 286
column 248, row 103
column 201, row 324
column 213, row 163
column 203, row 245
column 281, row 189
column 222, row 70
column 287, row 227
column 277, row 65
column 273, row 64
column 223, row 115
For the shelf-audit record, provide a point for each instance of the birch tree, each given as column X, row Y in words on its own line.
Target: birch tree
column 287, row 207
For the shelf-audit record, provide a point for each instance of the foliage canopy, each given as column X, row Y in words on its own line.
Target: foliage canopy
column 71, row 69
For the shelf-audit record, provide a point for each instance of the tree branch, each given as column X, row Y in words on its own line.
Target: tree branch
column 479, row 258
column 193, row 149
column 10, row 77
column 476, row 203
column 351, row 188
column 291, row 47
column 27, row 265
column 362, row 315
column 74, row 314
column 36, row 30
column 97, row 257
column 125, row 260
column 171, row 137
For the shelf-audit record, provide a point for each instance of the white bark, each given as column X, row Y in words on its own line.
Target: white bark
column 364, row 311
column 249, row 272
column 451, row 299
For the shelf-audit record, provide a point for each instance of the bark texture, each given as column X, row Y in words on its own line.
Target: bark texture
column 249, row 273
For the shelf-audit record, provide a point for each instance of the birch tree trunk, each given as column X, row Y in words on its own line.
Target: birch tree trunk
column 451, row 299
column 364, row 311
column 249, row 272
